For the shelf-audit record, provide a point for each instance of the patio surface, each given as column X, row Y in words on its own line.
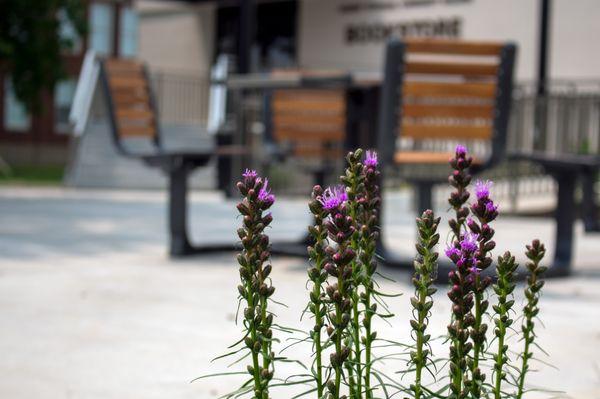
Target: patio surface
column 93, row 308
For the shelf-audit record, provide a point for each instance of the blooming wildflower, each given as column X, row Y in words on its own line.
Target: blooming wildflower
column 264, row 194
column 452, row 252
column 249, row 176
column 461, row 150
column 333, row 198
column 371, row 159
column 490, row 207
column 482, row 189
column 469, row 242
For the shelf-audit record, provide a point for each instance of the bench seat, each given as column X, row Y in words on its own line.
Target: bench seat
column 408, row 157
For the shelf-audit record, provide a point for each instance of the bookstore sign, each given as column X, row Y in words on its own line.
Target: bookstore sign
column 365, row 32
column 340, row 34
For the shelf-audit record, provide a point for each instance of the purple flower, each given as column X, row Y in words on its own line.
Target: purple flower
column 264, row 194
column 482, row 189
column 468, row 243
column 461, row 150
column 452, row 252
column 490, row 207
column 249, row 176
column 371, row 159
column 333, row 198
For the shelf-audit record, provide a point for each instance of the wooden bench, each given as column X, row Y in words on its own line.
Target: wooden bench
column 308, row 125
column 133, row 117
column 439, row 93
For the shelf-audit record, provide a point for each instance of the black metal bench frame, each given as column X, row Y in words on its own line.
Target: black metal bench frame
column 567, row 170
column 176, row 165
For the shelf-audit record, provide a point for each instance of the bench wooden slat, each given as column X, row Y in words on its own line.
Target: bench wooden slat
column 124, row 72
column 114, row 64
column 297, row 94
column 320, row 101
column 436, row 46
column 295, row 119
column 135, row 113
column 425, row 157
column 125, row 99
column 309, row 106
column 448, row 111
column 137, row 131
column 449, row 90
column 445, row 131
column 311, row 120
column 126, row 122
column 318, row 152
column 127, row 82
column 455, row 68
column 300, row 134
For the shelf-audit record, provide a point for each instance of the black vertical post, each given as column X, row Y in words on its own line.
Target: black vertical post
column 178, row 181
column 543, row 47
column 542, row 76
column 245, row 40
column 246, row 32
column 565, row 219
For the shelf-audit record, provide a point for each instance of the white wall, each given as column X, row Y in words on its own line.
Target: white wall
column 576, row 28
column 177, row 37
column 575, row 38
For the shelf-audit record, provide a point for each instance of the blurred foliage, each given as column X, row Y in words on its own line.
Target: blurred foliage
column 31, row 45
column 36, row 175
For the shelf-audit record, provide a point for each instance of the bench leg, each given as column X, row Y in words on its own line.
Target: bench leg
column 589, row 208
column 178, row 187
column 565, row 220
column 423, row 196
column 386, row 256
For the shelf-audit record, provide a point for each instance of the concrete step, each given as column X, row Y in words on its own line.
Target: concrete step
column 95, row 162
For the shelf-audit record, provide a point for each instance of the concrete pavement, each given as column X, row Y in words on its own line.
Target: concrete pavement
column 93, row 308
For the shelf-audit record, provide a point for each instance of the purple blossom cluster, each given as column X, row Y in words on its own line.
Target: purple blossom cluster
column 484, row 208
column 371, row 159
column 333, row 197
column 462, row 254
column 259, row 186
column 265, row 195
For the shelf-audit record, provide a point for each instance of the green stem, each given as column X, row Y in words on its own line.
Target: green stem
column 338, row 339
column 253, row 335
column 265, row 341
column 477, row 344
column 499, row 362
column 318, row 350
column 317, row 340
column 524, row 366
column 368, row 316
column 356, row 322
column 420, row 360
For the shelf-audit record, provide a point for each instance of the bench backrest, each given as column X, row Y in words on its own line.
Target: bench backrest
column 442, row 91
column 131, row 105
column 311, row 122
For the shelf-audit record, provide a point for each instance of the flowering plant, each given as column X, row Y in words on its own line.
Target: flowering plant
column 344, row 297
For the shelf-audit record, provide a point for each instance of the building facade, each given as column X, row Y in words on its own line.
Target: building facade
column 43, row 139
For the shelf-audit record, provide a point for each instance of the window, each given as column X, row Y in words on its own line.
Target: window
column 128, row 42
column 101, row 28
column 63, row 99
column 67, row 31
column 16, row 117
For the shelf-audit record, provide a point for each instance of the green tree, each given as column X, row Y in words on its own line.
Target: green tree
column 31, row 44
